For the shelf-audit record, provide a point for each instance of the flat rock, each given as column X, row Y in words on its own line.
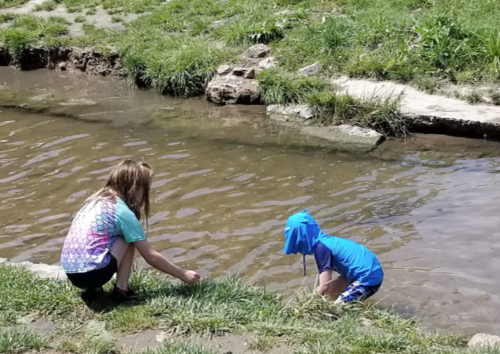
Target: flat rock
column 481, row 340
column 346, row 134
column 44, row 97
column 310, row 70
column 291, row 113
column 224, row 69
column 257, row 51
column 430, row 113
column 79, row 102
column 41, row 270
column 268, row 63
column 3, row 260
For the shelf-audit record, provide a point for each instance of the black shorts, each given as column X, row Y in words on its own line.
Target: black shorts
column 95, row 278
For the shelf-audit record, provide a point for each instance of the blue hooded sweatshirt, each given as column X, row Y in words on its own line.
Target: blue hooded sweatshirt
column 350, row 259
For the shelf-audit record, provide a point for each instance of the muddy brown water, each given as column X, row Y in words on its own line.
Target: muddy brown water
column 224, row 186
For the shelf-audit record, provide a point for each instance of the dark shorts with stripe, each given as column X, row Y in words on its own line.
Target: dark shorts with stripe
column 358, row 292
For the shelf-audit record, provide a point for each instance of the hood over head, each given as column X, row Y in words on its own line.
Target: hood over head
column 302, row 233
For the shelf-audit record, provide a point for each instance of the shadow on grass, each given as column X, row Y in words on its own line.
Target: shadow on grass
column 103, row 303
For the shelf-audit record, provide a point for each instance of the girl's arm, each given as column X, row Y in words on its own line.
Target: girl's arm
column 159, row 262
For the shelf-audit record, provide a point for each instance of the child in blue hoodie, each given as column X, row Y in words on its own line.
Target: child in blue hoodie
column 360, row 272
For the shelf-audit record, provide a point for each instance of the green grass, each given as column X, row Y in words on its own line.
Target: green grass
column 382, row 115
column 283, row 88
column 495, row 98
column 11, row 3
column 80, row 18
column 180, row 347
column 27, row 30
column 20, row 340
column 49, row 5
column 474, row 98
column 226, row 305
column 176, row 48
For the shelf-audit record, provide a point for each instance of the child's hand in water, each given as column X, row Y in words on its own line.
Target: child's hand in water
column 191, row 277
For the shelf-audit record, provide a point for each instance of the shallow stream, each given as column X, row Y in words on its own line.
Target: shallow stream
column 225, row 183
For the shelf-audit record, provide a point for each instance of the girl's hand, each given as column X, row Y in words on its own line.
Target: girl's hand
column 190, row 277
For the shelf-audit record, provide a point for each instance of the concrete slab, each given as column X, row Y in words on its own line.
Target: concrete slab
column 430, row 113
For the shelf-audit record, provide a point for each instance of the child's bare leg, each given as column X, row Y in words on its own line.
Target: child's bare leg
column 337, row 287
column 331, row 287
column 124, row 254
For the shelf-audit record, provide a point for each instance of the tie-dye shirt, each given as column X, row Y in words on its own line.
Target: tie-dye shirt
column 93, row 232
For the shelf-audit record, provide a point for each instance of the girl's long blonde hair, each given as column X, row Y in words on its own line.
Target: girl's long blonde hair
column 131, row 182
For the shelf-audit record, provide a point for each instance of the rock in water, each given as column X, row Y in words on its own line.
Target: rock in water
column 481, row 340
column 234, row 89
column 292, row 113
column 346, row 134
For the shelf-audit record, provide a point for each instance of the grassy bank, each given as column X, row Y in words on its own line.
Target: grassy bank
column 420, row 41
column 177, row 46
column 224, row 306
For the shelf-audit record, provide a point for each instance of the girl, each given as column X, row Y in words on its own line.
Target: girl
column 106, row 232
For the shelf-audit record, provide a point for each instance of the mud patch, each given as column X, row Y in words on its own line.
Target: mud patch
column 65, row 59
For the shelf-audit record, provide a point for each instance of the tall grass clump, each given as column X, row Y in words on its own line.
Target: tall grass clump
column 49, row 5
column 20, row 340
column 178, row 346
column 284, row 88
column 11, row 3
column 21, row 292
column 175, row 64
column 380, row 114
column 26, row 30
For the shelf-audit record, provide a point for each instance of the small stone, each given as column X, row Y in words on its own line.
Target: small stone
column 219, row 23
column 63, row 66
column 481, row 340
column 310, row 69
column 250, row 74
column 224, row 69
column 268, row 63
column 257, row 51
